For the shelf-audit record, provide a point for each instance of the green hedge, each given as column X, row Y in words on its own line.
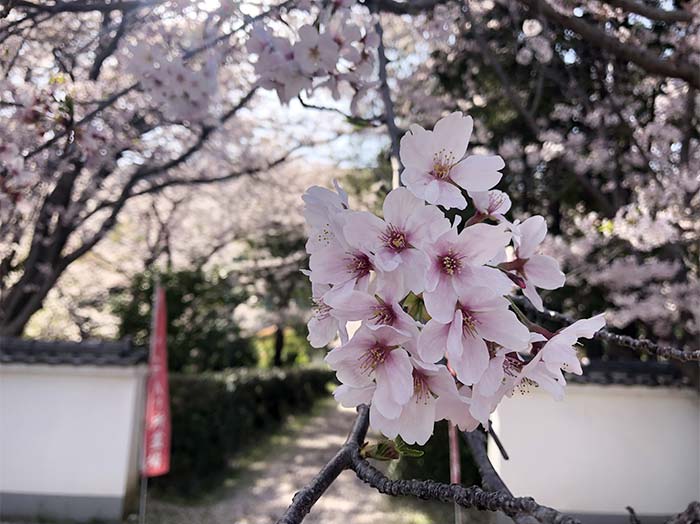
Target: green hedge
column 215, row 415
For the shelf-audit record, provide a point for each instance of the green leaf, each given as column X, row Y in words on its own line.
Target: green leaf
column 382, row 450
column 406, row 451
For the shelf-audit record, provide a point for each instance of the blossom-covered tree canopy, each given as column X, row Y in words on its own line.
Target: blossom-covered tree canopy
column 584, row 113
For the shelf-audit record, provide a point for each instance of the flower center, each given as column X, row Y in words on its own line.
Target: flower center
column 512, row 365
column 383, row 313
column 450, row 263
column 495, row 201
column 421, row 389
column 359, row 265
column 321, row 309
column 373, row 357
column 469, row 321
column 442, row 163
column 395, row 239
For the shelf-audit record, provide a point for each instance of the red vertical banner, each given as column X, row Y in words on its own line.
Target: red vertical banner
column 156, row 456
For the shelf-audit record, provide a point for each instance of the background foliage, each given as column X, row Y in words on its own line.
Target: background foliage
column 216, row 415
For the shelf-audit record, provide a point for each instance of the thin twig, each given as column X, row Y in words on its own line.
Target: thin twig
column 641, row 345
column 691, row 515
column 634, row 519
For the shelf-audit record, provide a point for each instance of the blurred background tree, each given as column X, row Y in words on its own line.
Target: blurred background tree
column 202, row 332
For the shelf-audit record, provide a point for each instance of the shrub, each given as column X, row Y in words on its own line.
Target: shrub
column 216, row 415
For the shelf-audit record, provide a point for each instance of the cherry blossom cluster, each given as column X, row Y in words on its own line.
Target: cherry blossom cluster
column 184, row 92
column 437, row 338
column 323, row 54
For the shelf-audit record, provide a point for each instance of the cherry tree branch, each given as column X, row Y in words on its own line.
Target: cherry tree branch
column 408, row 7
column 643, row 58
column 350, row 457
column 641, row 345
column 389, row 116
column 652, row 13
column 691, row 515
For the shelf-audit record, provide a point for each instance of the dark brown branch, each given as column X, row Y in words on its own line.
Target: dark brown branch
column 652, row 13
column 350, row 457
column 408, row 7
column 304, row 499
column 389, row 115
column 638, row 55
column 468, row 497
column 641, row 345
column 78, row 6
column 107, row 47
column 490, row 479
column 212, row 180
column 528, row 118
column 691, row 515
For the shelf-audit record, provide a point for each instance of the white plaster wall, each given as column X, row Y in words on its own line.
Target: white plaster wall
column 603, row 448
column 67, row 430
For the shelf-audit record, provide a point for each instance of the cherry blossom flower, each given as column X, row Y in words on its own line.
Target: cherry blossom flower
column 315, row 51
column 379, row 309
column 558, row 354
column 456, row 410
column 457, row 260
column 480, row 315
column 536, row 270
column 377, row 356
column 324, row 325
column 494, row 204
column 322, row 209
column 339, row 264
column 435, row 167
column 417, row 419
column 397, row 241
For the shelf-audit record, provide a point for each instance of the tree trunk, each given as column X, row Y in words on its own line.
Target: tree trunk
column 279, row 346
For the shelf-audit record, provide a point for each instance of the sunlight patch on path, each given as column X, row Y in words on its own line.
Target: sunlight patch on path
column 269, row 485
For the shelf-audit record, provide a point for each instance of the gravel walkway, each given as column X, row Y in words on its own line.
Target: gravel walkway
column 266, row 488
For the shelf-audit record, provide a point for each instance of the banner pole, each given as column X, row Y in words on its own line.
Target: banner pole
column 143, row 499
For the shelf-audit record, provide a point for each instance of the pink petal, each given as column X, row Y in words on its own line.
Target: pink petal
column 532, row 233
column 329, row 266
column 322, row 332
column 481, row 242
column 531, row 293
column 477, row 172
column 441, row 302
column 417, row 420
column 350, row 397
column 504, row 328
column 473, row 361
column 355, row 305
column 452, row 133
column 544, row 272
column 447, row 195
column 426, row 224
column 386, row 426
column 432, row 343
column 363, row 230
column 415, row 149
column 399, row 205
column 394, row 383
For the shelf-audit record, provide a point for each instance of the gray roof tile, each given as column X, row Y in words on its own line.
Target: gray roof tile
column 87, row 353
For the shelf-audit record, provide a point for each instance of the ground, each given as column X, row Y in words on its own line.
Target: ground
column 283, row 465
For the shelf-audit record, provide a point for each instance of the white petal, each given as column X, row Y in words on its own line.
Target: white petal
column 477, row 172
column 544, row 272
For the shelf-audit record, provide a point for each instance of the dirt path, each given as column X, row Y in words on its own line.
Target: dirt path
column 266, row 489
